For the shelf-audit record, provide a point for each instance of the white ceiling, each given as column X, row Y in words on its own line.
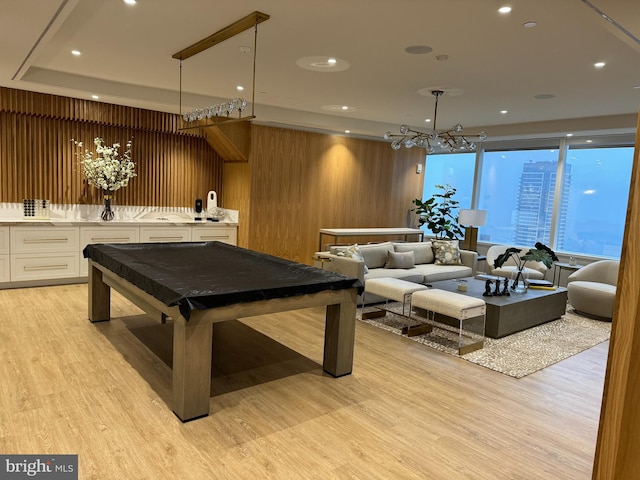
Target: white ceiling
column 494, row 63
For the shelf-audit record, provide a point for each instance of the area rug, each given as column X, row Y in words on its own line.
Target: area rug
column 515, row 355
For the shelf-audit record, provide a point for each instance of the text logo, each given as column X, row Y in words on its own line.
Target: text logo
column 49, row 467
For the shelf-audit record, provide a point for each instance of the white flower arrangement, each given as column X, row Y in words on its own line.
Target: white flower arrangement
column 108, row 171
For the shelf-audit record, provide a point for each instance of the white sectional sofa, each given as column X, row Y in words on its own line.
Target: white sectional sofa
column 419, row 262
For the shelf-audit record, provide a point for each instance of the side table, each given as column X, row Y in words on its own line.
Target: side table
column 559, row 266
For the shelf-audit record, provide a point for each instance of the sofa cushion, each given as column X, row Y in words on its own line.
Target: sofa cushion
column 375, row 255
column 436, row 273
column 400, row 260
column 351, row 251
column 447, row 252
column 422, row 251
column 410, row 275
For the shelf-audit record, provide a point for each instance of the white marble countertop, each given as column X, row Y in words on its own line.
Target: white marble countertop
column 11, row 214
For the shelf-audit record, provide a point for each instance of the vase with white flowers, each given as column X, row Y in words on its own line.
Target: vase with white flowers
column 108, row 170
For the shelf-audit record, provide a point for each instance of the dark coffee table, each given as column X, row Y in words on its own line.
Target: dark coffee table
column 507, row 315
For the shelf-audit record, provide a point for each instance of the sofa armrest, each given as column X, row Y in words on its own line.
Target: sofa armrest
column 347, row 266
column 470, row 259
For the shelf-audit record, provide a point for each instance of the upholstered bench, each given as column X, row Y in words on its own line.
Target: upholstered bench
column 469, row 311
column 400, row 291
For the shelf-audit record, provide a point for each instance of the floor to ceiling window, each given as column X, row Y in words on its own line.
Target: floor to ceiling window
column 595, row 203
column 517, row 190
column 582, row 213
column 455, row 169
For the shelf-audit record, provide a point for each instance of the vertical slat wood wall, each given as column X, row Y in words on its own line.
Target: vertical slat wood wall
column 37, row 156
column 301, row 182
column 619, row 433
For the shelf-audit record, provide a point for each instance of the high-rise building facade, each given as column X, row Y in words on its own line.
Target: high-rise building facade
column 535, row 204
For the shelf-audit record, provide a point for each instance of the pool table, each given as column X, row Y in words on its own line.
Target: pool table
column 200, row 283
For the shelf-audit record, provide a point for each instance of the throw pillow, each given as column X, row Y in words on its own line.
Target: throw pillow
column 400, row 260
column 375, row 254
column 422, row 251
column 353, row 251
column 447, row 252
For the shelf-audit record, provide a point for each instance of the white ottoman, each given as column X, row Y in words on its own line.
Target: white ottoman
column 469, row 311
column 398, row 290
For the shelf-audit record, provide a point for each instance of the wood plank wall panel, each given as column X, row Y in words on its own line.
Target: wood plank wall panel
column 237, row 196
column 38, row 159
column 304, row 181
column 619, row 432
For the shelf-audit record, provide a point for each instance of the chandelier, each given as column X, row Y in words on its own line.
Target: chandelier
column 233, row 109
column 224, row 109
column 452, row 140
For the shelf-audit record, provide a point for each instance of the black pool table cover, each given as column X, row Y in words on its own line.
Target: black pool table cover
column 203, row 275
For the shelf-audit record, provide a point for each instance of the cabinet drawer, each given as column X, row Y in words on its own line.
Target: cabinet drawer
column 108, row 234
column 4, row 269
column 41, row 267
column 4, row 240
column 220, row 234
column 165, row 234
column 44, row 239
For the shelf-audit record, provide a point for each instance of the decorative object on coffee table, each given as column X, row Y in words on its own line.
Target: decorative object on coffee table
column 540, row 253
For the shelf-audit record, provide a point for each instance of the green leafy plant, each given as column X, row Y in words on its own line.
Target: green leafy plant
column 540, row 253
column 439, row 213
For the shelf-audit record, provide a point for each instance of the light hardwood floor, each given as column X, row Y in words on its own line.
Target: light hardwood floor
column 407, row 412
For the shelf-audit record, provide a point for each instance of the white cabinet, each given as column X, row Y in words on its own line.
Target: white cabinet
column 210, row 234
column 165, row 234
column 5, row 274
column 35, row 266
column 108, row 235
column 46, row 252
column 45, row 239
column 37, row 254
column 104, row 234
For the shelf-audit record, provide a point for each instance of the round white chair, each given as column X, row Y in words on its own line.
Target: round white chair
column 592, row 289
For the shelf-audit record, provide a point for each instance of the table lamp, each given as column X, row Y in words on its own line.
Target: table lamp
column 470, row 220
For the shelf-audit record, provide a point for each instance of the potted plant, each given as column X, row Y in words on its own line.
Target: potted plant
column 540, row 253
column 439, row 213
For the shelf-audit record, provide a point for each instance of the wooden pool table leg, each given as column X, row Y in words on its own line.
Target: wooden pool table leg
column 339, row 337
column 192, row 345
column 99, row 296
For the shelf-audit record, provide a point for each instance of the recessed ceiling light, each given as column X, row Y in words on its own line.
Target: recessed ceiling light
column 504, row 112
column 529, row 24
column 130, row 2
column 418, row 49
column 76, row 53
column 95, row 97
column 505, row 9
column 599, row 64
column 239, row 88
column 347, row 131
column 569, row 134
column 589, row 141
column 428, row 120
column 323, row 64
column 339, row 108
column 636, row 87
